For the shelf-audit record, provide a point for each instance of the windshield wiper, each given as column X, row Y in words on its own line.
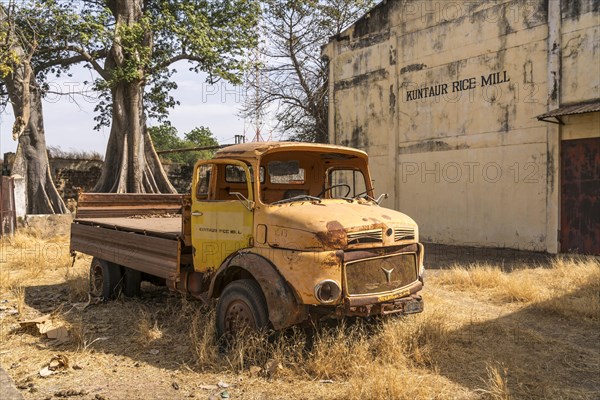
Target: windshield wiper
column 297, row 198
column 364, row 195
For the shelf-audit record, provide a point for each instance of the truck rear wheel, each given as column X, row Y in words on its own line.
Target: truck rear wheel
column 241, row 307
column 132, row 280
column 105, row 279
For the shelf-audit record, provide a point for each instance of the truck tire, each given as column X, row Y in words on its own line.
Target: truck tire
column 132, row 280
column 241, row 307
column 105, row 279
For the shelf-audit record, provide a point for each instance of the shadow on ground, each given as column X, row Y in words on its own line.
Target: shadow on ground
column 540, row 354
column 440, row 256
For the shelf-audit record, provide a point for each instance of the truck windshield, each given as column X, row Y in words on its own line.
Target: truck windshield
column 300, row 176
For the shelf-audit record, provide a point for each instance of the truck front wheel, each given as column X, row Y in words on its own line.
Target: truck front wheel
column 241, row 307
column 105, row 279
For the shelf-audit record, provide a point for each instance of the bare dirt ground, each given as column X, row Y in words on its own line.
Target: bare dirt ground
column 497, row 324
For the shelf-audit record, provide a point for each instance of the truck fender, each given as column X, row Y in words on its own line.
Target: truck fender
column 283, row 306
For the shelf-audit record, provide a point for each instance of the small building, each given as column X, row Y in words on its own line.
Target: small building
column 481, row 119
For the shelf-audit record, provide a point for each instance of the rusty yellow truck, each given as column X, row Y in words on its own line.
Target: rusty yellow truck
column 277, row 233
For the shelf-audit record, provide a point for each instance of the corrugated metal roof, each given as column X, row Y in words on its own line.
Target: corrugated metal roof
column 570, row 109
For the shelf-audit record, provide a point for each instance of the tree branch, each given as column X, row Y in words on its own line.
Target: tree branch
column 89, row 58
column 64, row 62
column 179, row 57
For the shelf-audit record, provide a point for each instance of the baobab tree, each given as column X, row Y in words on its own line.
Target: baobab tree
column 18, row 84
column 132, row 46
column 143, row 40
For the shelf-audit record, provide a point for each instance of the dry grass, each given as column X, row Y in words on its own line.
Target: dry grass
column 19, row 294
column 147, row 330
column 497, row 383
column 569, row 287
column 479, row 336
column 26, row 256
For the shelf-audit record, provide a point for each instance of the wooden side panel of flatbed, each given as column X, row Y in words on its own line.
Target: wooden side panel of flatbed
column 155, row 255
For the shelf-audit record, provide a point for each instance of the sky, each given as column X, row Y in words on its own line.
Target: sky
column 69, row 120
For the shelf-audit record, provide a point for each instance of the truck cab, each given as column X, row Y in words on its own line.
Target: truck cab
column 289, row 232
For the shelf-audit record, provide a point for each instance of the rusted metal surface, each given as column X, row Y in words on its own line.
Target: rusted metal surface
column 570, row 109
column 326, row 226
column 370, row 253
column 285, row 308
column 258, row 149
column 92, row 205
column 8, row 213
column 380, row 274
column 580, row 196
column 406, row 305
column 193, row 283
column 382, row 298
column 153, row 255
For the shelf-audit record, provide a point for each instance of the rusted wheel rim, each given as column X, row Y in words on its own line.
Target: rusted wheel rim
column 239, row 318
column 97, row 280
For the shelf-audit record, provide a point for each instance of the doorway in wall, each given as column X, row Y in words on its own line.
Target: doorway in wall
column 580, row 196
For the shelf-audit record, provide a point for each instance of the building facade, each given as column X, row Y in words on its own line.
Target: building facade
column 481, row 118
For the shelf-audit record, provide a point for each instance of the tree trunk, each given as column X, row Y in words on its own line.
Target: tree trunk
column 25, row 96
column 131, row 164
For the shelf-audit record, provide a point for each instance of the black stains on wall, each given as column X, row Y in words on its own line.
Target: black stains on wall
column 428, row 146
column 358, row 139
column 370, row 40
column 393, row 56
column 360, row 79
column 392, row 100
column 374, row 21
column 412, row 68
column 571, row 9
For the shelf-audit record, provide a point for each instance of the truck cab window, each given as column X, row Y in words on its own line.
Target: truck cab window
column 204, row 176
column 346, row 183
column 286, row 172
column 236, row 174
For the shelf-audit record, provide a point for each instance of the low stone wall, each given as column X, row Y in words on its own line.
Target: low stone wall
column 73, row 175
column 180, row 176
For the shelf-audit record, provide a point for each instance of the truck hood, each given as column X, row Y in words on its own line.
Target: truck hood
column 337, row 225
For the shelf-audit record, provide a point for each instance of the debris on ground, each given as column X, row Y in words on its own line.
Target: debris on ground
column 70, row 393
column 273, row 367
column 57, row 363
column 45, row 325
column 255, row 371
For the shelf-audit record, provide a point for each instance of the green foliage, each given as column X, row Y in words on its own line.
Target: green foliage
column 139, row 49
column 165, row 137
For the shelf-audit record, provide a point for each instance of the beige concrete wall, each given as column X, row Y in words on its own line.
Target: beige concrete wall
column 471, row 166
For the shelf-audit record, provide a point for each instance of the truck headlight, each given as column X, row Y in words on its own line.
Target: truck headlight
column 327, row 291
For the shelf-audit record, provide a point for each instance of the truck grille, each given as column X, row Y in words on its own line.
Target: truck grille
column 370, row 236
column 404, row 234
column 381, row 274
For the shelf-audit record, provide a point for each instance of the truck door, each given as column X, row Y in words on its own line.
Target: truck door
column 222, row 211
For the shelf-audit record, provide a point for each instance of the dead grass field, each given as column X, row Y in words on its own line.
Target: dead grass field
column 531, row 330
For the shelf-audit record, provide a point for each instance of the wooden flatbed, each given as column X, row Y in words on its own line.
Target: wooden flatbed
column 167, row 227
column 142, row 232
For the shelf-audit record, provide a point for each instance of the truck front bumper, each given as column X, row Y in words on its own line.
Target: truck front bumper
column 406, row 305
column 404, row 301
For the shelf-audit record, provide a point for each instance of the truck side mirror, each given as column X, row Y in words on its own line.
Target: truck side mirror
column 381, row 197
